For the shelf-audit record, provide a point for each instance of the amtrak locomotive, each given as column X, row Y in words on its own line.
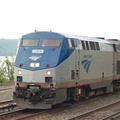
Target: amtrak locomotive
column 51, row 68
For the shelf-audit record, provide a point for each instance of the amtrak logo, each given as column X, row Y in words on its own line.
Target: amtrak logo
column 86, row 64
column 35, row 57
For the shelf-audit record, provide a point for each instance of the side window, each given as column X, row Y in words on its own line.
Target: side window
column 87, row 45
column 97, row 46
column 92, row 45
column 71, row 43
column 83, row 45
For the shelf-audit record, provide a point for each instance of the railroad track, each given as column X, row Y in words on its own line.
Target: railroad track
column 7, row 106
column 102, row 112
column 41, row 114
column 6, row 88
column 23, row 114
column 114, row 116
column 6, row 102
column 11, row 115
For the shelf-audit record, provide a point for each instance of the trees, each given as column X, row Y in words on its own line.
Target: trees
column 2, row 72
column 7, row 69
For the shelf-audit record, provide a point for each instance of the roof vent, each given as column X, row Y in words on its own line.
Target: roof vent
column 113, row 40
column 100, row 38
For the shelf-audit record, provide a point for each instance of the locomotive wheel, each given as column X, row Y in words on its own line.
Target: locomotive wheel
column 115, row 86
column 76, row 98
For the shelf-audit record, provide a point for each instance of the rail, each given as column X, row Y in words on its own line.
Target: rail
column 86, row 114
column 7, row 106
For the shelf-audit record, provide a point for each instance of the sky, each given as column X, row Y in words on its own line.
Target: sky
column 94, row 18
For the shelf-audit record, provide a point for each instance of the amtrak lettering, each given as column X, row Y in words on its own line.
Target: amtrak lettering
column 87, row 56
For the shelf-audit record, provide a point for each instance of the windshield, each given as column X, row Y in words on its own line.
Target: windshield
column 29, row 42
column 51, row 42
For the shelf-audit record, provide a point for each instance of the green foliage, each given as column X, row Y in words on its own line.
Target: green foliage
column 2, row 72
column 7, row 69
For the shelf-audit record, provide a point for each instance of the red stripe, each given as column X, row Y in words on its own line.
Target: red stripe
column 20, row 87
column 68, row 86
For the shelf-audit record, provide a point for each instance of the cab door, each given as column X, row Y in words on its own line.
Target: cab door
column 77, row 59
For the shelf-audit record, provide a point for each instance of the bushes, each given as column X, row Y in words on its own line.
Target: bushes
column 7, row 69
column 2, row 72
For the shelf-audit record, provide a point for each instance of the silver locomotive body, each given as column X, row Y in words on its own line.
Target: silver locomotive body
column 51, row 68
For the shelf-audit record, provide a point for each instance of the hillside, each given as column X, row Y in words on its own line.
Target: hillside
column 8, row 47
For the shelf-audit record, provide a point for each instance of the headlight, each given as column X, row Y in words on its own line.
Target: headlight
column 19, row 72
column 37, row 64
column 48, row 72
column 34, row 64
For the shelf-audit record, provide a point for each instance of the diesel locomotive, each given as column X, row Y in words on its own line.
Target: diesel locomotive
column 51, row 68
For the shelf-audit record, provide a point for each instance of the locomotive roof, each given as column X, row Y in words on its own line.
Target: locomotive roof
column 85, row 38
column 95, row 39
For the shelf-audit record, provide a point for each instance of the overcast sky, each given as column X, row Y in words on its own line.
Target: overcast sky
column 93, row 18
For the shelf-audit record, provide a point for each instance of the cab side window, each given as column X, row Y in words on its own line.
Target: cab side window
column 71, row 43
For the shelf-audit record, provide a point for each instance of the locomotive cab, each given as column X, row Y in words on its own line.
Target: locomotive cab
column 40, row 53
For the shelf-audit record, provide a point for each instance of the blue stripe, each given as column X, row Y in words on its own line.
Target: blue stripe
column 88, row 66
column 84, row 61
